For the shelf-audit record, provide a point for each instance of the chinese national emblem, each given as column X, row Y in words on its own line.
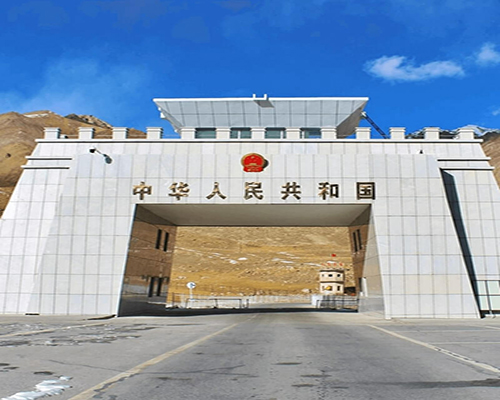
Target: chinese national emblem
column 253, row 162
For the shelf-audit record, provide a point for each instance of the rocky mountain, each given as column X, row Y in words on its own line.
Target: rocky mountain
column 89, row 119
column 17, row 140
column 19, row 131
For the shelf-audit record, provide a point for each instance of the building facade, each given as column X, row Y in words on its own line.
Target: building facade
column 90, row 228
column 331, row 281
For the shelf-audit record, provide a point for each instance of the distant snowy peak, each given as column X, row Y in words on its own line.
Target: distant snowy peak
column 479, row 132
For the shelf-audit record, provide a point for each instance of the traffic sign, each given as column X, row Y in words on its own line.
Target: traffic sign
column 191, row 285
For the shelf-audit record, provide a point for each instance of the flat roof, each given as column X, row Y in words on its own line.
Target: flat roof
column 344, row 113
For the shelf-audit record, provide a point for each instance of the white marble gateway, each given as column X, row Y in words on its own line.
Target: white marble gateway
column 87, row 211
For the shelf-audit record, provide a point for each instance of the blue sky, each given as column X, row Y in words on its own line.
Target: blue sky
column 421, row 62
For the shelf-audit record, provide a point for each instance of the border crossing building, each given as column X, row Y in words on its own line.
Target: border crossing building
column 91, row 225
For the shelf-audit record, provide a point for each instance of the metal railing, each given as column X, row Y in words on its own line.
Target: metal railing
column 216, row 302
column 338, row 302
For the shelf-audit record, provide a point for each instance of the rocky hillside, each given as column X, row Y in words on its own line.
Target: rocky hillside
column 17, row 140
column 257, row 260
column 491, row 147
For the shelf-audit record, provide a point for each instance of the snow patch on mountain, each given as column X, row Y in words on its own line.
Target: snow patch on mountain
column 479, row 132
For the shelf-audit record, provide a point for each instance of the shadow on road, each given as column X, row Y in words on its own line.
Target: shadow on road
column 160, row 311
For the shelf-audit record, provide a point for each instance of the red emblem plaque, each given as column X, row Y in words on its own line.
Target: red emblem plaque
column 253, row 162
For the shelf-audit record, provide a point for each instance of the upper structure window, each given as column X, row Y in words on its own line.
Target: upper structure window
column 158, row 238
column 310, row 133
column 241, row 133
column 205, row 133
column 275, row 133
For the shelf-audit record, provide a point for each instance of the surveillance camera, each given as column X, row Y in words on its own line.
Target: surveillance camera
column 92, row 149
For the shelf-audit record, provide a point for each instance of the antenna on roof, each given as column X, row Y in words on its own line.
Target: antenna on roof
column 372, row 123
column 255, row 98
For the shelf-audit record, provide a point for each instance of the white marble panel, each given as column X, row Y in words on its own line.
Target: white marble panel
column 441, row 305
column 397, row 284
column 396, row 264
column 492, row 264
column 393, row 167
column 455, row 264
column 47, row 304
column 469, row 307
column 75, row 305
column 121, row 244
column 30, row 247
column 48, row 283
column 425, row 264
column 363, row 170
column 89, row 304
column 455, row 305
column 412, row 305
column 426, row 305
column 108, row 206
column 124, row 207
column 455, row 284
column 439, row 246
column 394, row 188
column 398, row 305
column 104, row 305
column 394, row 206
column 90, row 283
column 426, row 284
column 441, row 284
column 77, row 264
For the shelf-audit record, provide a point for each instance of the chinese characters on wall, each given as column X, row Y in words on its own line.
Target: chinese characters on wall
column 325, row 190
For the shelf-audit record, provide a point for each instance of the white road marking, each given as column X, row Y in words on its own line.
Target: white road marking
column 89, row 393
column 448, row 353
column 50, row 330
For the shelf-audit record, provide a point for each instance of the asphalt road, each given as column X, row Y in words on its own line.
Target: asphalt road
column 263, row 356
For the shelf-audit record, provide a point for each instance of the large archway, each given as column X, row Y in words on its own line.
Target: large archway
column 149, row 264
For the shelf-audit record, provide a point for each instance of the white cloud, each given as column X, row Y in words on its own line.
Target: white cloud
column 397, row 68
column 488, row 56
column 496, row 112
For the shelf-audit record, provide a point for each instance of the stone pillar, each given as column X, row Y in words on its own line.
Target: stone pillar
column 465, row 133
column 258, row 133
column 187, row 133
column 52, row 133
column 223, row 133
column 86, row 133
column 397, row 133
column 293, row 133
column 120, row 133
column 431, row 133
column 362, row 133
column 154, row 133
column 329, row 133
